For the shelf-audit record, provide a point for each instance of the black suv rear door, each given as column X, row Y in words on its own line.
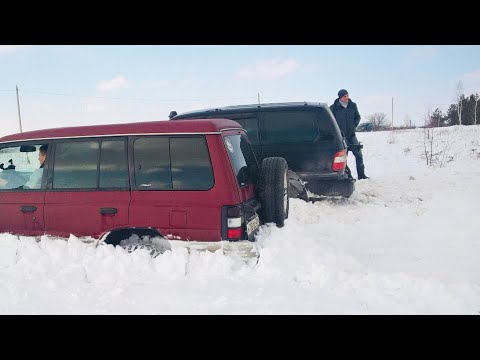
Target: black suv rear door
column 305, row 138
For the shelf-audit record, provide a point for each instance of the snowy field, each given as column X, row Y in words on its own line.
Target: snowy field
column 406, row 242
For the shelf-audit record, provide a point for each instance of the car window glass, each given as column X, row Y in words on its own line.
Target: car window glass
column 151, row 157
column 19, row 167
column 113, row 164
column 250, row 124
column 75, row 165
column 242, row 158
column 296, row 126
column 248, row 121
column 191, row 167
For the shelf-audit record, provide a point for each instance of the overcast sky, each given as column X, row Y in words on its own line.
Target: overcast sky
column 81, row 85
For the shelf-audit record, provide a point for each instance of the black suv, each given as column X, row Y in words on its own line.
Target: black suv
column 304, row 133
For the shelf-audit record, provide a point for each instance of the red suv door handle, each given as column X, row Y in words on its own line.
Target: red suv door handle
column 28, row 208
column 105, row 211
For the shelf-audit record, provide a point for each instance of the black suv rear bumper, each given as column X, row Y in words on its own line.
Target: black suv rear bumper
column 333, row 187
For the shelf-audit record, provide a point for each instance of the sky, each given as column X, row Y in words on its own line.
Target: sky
column 405, row 242
column 66, row 85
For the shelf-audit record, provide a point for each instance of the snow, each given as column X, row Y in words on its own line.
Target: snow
column 405, row 242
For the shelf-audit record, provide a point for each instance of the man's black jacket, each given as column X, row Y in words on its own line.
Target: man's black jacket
column 347, row 118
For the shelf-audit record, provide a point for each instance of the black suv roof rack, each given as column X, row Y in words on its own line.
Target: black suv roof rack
column 240, row 108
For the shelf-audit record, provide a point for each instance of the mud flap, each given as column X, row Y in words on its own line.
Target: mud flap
column 297, row 186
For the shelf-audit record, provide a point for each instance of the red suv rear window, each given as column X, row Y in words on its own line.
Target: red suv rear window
column 243, row 159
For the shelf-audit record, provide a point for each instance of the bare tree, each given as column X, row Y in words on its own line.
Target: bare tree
column 429, row 121
column 435, row 151
column 408, row 121
column 435, row 118
column 476, row 102
column 459, row 97
column 378, row 120
column 428, row 145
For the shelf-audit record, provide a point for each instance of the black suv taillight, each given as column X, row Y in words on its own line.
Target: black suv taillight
column 339, row 161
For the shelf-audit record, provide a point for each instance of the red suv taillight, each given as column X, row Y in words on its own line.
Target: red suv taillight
column 340, row 160
column 234, row 234
column 235, row 222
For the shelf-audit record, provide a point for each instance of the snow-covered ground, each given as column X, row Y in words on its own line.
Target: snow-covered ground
column 406, row 242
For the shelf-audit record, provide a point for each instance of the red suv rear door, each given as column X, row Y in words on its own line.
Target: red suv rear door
column 179, row 184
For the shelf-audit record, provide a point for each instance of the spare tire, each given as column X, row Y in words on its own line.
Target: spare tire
column 273, row 190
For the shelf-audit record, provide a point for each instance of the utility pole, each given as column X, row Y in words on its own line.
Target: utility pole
column 392, row 112
column 18, row 107
column 258, row 98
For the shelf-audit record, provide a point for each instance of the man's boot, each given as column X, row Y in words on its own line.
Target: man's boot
column 361, row 173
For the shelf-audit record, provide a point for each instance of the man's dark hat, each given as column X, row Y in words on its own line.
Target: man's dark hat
column 342, row 93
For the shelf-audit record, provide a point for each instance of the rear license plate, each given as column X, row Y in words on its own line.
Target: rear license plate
column 253, row 225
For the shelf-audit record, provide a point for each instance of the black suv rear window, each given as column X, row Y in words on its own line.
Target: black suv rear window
column 297, row 126
column 243, row 159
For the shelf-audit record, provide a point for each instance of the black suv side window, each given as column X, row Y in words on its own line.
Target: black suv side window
column 296, row 126
column 249, row 122
column 176, row 163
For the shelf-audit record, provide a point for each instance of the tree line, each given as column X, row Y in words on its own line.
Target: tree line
column 465, row 111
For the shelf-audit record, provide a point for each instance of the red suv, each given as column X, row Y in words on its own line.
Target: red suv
column 185, row 180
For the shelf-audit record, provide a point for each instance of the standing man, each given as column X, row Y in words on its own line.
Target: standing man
column 348, row 118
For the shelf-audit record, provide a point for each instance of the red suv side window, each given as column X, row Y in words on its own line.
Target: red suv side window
column 172, row 163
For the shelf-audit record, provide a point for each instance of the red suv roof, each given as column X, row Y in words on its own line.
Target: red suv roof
column 153, row 127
